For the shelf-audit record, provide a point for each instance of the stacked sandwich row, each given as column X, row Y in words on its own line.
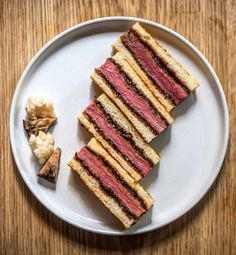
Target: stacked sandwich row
column 141, row 84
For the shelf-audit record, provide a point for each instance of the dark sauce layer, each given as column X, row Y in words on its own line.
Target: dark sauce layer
column 110, row 141
column 151, row 117
column 119, row 178
column 122, row 132
column 156, row 70
column 162, row 65
column 109, row 191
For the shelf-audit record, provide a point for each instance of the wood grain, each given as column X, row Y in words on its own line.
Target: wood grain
column 26, row 227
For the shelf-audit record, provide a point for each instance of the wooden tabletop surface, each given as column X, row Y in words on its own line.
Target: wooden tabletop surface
column 26, row 227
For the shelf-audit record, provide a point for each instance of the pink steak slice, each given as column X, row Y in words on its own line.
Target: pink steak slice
column 129, row 94
column 101, row 172
column 123, row 146
column 147, row 61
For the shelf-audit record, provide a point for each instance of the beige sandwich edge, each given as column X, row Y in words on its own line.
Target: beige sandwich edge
column 145, row 131
column 183, row 75
column 98, row 149
column 120, row 119
column 109, row 202
column 120, row 59
column 119, row 47
column 89, row 126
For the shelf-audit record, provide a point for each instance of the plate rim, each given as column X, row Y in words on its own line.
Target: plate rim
column 203, row 59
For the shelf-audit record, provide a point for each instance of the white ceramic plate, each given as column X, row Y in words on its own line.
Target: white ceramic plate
column 192, row 150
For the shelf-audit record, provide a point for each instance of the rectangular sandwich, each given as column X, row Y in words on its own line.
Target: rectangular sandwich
column 115, row 188
column 169, row 81
column 118, row 80
column 118, row 136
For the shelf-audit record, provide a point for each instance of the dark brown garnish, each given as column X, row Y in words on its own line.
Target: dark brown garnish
column 50, row 169
column 41, row 124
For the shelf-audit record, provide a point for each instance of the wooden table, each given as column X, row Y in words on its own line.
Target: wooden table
column 26, row 227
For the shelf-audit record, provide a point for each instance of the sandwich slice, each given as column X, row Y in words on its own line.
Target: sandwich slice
column 119, row 81
column 118, row 136
column 114, row 187
column 169, row 81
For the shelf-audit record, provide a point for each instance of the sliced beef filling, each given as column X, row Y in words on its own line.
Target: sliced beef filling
column 100, row 171
column 121, row 84
column 128, row 136
column 150, row 64
column 110, row 133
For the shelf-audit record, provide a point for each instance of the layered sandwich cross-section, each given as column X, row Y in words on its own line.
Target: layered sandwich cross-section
column 115, row 188
column 117, row 135
column 166, row 78
column 142, row 83
column 118, row 80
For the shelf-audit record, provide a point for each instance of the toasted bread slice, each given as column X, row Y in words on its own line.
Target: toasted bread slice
column 108, row 201
column 124, row 124
column 101, row 173
column 86, row 123
column 98, row 149
column 119, row 46
column 186, row 81
column 120, row 59
column 161, row 52
column 147, row 133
